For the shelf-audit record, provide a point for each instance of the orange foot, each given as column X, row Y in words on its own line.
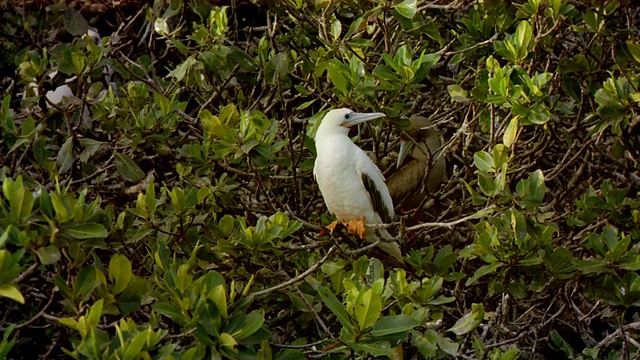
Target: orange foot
column 356, row 227
column 333, row 225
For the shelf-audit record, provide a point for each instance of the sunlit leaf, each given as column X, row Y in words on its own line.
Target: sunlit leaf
column 368, row 309
column 407, row 8
column 120, row 272
column 469, row 321
column 12, row 292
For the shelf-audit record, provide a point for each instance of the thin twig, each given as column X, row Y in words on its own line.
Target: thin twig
column 296, row 279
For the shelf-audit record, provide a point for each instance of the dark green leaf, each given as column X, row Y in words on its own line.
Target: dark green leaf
column 336, row 307
column 484, row 270
column 74, row 23
column 49, row 254
column 389, row 325
column 128, row 168
column 86, row 231
column 65, row 156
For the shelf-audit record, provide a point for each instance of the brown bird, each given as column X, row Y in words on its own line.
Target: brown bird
column 422, row 175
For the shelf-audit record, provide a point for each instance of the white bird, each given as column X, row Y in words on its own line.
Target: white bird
column 351, row 184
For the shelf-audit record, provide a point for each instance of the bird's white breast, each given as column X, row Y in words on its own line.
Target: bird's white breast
column 338, row 173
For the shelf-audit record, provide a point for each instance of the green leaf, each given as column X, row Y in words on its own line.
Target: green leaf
column 500, row 155
column 171, row 312
column 368, row 309
column 6, row 116
column 511, row 131
column 457, row 93
column 40, row 152
column 226, row 224
column 561, row 343
column 219, row 298
column 469, row 321
column 227, row 341
column 484, row 270
column 336, row 29
column 523, row 35
column 86, row 231
column 151, row 202
column 21, row 200
column 339, row 76
column 305, row 104
column 252, row 323
column 74, row 23
column 538, row 114
column 12, row 292
column 355, row 26
column 487, row 184
column 389, row 325
column 72, row 61
column 95, row 313
column 87, row 280
column 277, row 68
column 519, row 227
column 336, row 307
column 135, row 346
column 537, row 188
column 407, row 8
column 48, row 255
column 128, row 168
column 620, row 248
column 483, row 161
column 447, row 345
column 634, row 50
column 4, row 237
column 120, row 272
column 62, row 213
column 65, row 156
column 182, row 70
column 69, row 322
column 5, row 344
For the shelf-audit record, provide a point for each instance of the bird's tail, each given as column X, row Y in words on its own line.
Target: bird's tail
column 390, row 247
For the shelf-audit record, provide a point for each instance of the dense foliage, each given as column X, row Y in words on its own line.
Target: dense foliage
column 158, row 198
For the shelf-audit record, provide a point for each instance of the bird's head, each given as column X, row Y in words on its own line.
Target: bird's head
column 341, row 120
column 420, row 133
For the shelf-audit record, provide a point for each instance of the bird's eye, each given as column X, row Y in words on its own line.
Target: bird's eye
column 347, row 117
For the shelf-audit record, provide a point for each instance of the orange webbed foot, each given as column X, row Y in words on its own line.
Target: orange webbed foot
column 332, row 226
column 357, row 227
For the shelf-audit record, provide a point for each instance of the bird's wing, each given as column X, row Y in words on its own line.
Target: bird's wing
column 379, row 204
column 373, row 182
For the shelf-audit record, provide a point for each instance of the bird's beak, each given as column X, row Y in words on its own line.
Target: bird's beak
column 357, row 118
column 405, row 148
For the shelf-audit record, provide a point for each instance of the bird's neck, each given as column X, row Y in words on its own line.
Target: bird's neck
column 332, row 131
